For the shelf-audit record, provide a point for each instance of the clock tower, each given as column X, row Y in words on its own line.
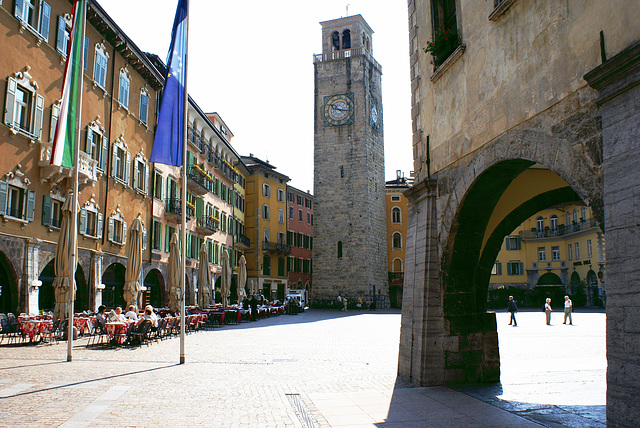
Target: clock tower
column 349, row 228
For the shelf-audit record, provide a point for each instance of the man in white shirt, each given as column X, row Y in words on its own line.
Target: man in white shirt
column 568, row 308
column 132, row 314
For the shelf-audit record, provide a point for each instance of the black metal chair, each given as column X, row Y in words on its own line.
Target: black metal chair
column 140, row 334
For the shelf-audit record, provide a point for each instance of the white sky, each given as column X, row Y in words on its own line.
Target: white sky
column 252, row 62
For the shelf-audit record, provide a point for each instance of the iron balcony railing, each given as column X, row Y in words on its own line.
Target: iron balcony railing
column 244, row 240
column 396, row 277
column 208, row 223
column 560, row 231
column 174, row 206
column 273, row 246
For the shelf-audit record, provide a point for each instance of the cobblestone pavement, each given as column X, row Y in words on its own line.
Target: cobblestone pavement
column 317, row 369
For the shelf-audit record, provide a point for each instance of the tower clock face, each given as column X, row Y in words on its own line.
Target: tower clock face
column 338, row 109
column 375, row 113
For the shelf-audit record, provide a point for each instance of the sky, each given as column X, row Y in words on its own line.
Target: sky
column 251, row 62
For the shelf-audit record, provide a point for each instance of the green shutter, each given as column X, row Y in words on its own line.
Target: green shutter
column 520, row 268
column 199, row 208
column 29, row 215
column 46, row 210
column 10, row 101
column 37, row 118
column 507, row 243
column 518, row 243
column 499, row 268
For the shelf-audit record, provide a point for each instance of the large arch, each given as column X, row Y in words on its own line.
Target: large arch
column 155, row 293
column 457, row 224
column 113, row 280
column 8, row 286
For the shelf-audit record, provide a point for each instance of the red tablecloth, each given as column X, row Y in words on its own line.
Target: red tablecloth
column 84, row 325
column 117, row 331
column 32, row 328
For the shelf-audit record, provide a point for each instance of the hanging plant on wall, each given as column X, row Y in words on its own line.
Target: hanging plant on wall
column 443, row 45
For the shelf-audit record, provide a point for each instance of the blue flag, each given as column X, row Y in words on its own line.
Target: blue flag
column 168, row 141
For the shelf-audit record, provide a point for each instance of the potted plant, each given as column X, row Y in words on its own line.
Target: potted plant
column 443, row 44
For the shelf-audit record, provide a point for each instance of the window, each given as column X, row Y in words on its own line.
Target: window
column 123, row 91
column 291, row 197
column 266, row 265
column 553, row 222
column 496, row 269
column 100, row 66
column 169, row 231
column 307, row 203
column 140, row 174
column 515, row 268
column 143, row 114
column 542, row 254
column 281, row 238
column 265, row 212
column 567, row 219
column 23, row 106
column 291, row 213
column 445, row 30
column 397, row 241
column 513, row 243
column 280, row 195
column 555, row 253
column 36, row 16
column 300, row 199
column 575, row 217
column 158, row 184
column 540, row 224
column 583, row 214
column 91, row 220
column 577, row 251
column 97, row 145
column 62, row 36
column 120, row 161
column 267, row 235
column 281, row 216
column 589, row 248
column 300, row 215
column 281, row 269
column 395, row 199
column 16, row 200
column 117, row 229
column 51, row 211
column 266, row 190
column 395, row 215
column 308, row 218
column 156, row 235
column 339, row 249
column 569, row 252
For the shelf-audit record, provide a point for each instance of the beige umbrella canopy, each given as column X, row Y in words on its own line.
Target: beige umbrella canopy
column 175, row 292
column 204, row 278
column 225, row 279
column 132, row 286
column 62, row 265
column 242, row 278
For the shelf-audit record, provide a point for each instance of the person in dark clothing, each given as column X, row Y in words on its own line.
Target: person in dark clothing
column 513, row 308
column 254, row 307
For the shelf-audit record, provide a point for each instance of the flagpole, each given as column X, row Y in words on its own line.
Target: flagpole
column 184, row 196
column 74, row 213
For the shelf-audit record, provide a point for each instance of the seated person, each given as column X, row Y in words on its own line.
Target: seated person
column 150, row 315
column 117, row 315
column 101, row 317
column 132, row 314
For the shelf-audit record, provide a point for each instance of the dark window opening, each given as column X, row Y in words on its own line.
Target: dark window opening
column 346, row 39
column 445, row 30
column 335, row 41
column 339, row 249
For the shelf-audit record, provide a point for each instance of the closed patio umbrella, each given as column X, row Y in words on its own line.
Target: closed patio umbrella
column 225, row 279
column 175, row 293
column 132, row 286
column 242, row 278
column 62, row 265
column 204, row 278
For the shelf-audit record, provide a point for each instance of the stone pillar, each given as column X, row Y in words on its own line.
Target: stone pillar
column 423, row 340
column 95, row 286
column 618, row 83
column 30, row 275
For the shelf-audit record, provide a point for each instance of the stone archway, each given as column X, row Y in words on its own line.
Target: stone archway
column 113, row 280
column 8, row 286
column 155, row 293
column 457, row 223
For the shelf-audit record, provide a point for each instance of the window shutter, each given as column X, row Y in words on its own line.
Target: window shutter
column 103, row 156
column 11, row 98
column 31, row 205
column 167, row 237
column 518, row 244
column 136, row 171
column 44, row 21
column 55, row 112
column 46, row 210
column 127, row 170
column 508, row 243
column 37, row 119
column 88, row 147
column 199, row 207
column 188, row 252
column 520, row 268
column 19, row 8
column 146, row 178
column 99, row 228
column 124, row 232
column 60, row 36
column 114, row 154
column 161, row 187
column 144, row 239
column 499, row 270
column 110, row 231
column 83, row 221
column 86, row 52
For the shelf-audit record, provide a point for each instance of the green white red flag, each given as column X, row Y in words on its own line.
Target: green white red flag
column 66, row 134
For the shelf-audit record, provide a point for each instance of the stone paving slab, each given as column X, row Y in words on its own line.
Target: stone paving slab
column 319, row 368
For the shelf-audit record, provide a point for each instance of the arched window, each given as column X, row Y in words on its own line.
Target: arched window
column 335, row 41
column 397, row 241
column 395, row 215
column 397, row 265
column 339, row 249
column 553, row 222
column 583, row 214
column 346, row 39
column 575, row 217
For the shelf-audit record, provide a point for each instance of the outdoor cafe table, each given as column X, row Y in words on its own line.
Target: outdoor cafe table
column 84, row 324
column 33, row 327
column 117, row 331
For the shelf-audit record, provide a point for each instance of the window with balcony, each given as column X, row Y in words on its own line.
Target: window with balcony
column 396, row 215
column 23, row 106
column 97, row 145
column 16, row 201
column 51, row 211
column 35, row 15
column 553, row 223
column 540, row 224
column 100, row 66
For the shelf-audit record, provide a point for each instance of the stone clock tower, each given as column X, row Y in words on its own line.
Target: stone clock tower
column 349, row 228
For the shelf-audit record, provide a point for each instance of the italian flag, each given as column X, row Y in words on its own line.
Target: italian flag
column 66, row 135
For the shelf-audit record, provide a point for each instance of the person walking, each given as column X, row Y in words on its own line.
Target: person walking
column 344, row 304
column 513, row 308
column 568, row 308
column 548, row 310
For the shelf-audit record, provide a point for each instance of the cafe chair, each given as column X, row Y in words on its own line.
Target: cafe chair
column 140, row 335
